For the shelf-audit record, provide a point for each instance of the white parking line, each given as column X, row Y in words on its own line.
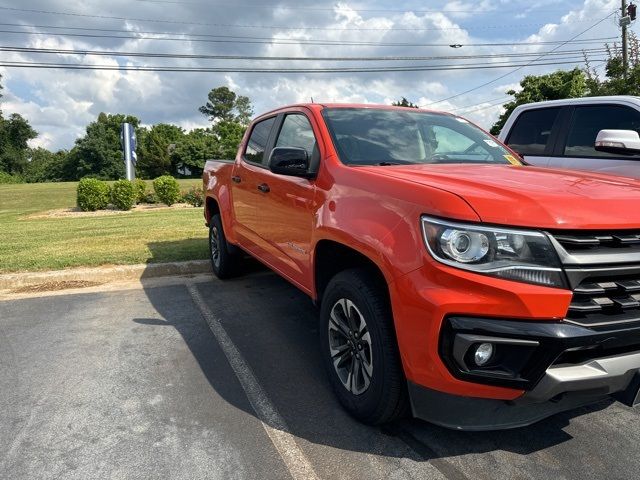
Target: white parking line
column 275, row 426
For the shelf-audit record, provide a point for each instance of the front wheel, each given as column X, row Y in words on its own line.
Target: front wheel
column 224, row 260
column 359, row 348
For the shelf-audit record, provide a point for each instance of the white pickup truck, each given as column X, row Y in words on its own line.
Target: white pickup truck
column 574, row 134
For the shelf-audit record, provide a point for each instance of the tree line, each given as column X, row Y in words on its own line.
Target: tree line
column 162, row 149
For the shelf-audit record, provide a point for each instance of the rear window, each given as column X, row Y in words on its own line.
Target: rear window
column 589, row 120
column 367, row 136
column 532, row 130
column 257, row 142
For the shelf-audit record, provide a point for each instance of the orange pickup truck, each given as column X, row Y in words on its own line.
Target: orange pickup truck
column 454, row 282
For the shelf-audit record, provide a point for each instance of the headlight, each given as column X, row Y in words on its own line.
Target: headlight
column 521, row 255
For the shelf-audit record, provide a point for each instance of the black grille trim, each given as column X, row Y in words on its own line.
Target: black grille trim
column 603, row 270
column 588, row 240
column 577, row 276
column 604, row 296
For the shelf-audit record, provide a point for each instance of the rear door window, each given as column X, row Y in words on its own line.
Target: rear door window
column 587, row 121
column 257, row 143
column 531, row 132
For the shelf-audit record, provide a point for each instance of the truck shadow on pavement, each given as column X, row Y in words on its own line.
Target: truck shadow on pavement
column 274, row 327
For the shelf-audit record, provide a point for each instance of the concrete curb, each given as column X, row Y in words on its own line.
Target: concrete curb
column 105, row 274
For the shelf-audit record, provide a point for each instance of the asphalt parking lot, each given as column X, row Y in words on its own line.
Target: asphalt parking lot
column 223, row 380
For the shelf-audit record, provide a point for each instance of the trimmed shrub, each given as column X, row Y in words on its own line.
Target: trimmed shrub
column 150, row 197
column 194, row 196
column 167, row 189
column 123, row 194
column 92, row 194
column 140, row 187
column 8, row 178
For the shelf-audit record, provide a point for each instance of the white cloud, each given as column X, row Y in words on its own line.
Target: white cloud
column 60, row 103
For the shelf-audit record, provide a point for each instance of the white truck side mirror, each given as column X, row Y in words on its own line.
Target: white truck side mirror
column 625, row 142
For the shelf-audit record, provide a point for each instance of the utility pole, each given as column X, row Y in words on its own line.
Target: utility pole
column 625, row 53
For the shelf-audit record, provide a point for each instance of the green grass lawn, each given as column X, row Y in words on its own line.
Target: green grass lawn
column 56, row 243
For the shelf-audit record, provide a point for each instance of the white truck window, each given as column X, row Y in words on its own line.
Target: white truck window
column 532, row 130
column 587, row 121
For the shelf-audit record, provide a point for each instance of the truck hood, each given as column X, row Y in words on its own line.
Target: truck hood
column 532, row 196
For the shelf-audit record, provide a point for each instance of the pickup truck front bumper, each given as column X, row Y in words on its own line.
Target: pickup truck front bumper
column 558, row 365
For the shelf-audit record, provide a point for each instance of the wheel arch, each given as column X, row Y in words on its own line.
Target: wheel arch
column 211, row 208
column 219, row 202
column 332, row 257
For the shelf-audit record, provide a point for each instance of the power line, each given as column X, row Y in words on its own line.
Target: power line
column 478, row 103
column 275, row 27
column 406, row 68
column 523, row 66
column 493, row 104
column 231, row 39
column 333, row 9
column 504, row 100
column 292, row 40
column 59, row 51
column 288, row 7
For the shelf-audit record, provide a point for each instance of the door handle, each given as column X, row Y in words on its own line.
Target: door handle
column 236, row 179
column 263, row 187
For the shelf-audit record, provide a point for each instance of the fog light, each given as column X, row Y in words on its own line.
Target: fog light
column 483, row 354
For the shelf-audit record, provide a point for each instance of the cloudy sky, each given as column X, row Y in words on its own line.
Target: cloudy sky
column 59, row 103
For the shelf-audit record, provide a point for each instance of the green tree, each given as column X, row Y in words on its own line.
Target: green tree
column 230, row 114
column 224, row 105
column 195, row 148
column 220, row 103
column 155, row 150
column 244, row 109
column 15, row 133
column 98, row 153
column 616, row 82
column 404, row 103
column 228, row 136
column 44, row 166
column 537, row 88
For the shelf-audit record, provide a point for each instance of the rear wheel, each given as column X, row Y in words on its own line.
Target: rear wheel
column 359, row 348
column 224, row 257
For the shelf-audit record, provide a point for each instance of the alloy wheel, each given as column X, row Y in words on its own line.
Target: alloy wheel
column 350, row 346
column 214, row 242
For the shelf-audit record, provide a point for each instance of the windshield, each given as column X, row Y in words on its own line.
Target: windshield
column 367, row 136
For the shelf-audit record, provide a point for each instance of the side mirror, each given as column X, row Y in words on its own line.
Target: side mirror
column 624, row 142
column 290, row 161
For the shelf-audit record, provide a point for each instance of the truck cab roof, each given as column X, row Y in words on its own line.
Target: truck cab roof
column 323, row 105
column 617, row 99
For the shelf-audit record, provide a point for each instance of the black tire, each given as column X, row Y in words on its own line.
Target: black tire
column 385, row 398
column 224, row 257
